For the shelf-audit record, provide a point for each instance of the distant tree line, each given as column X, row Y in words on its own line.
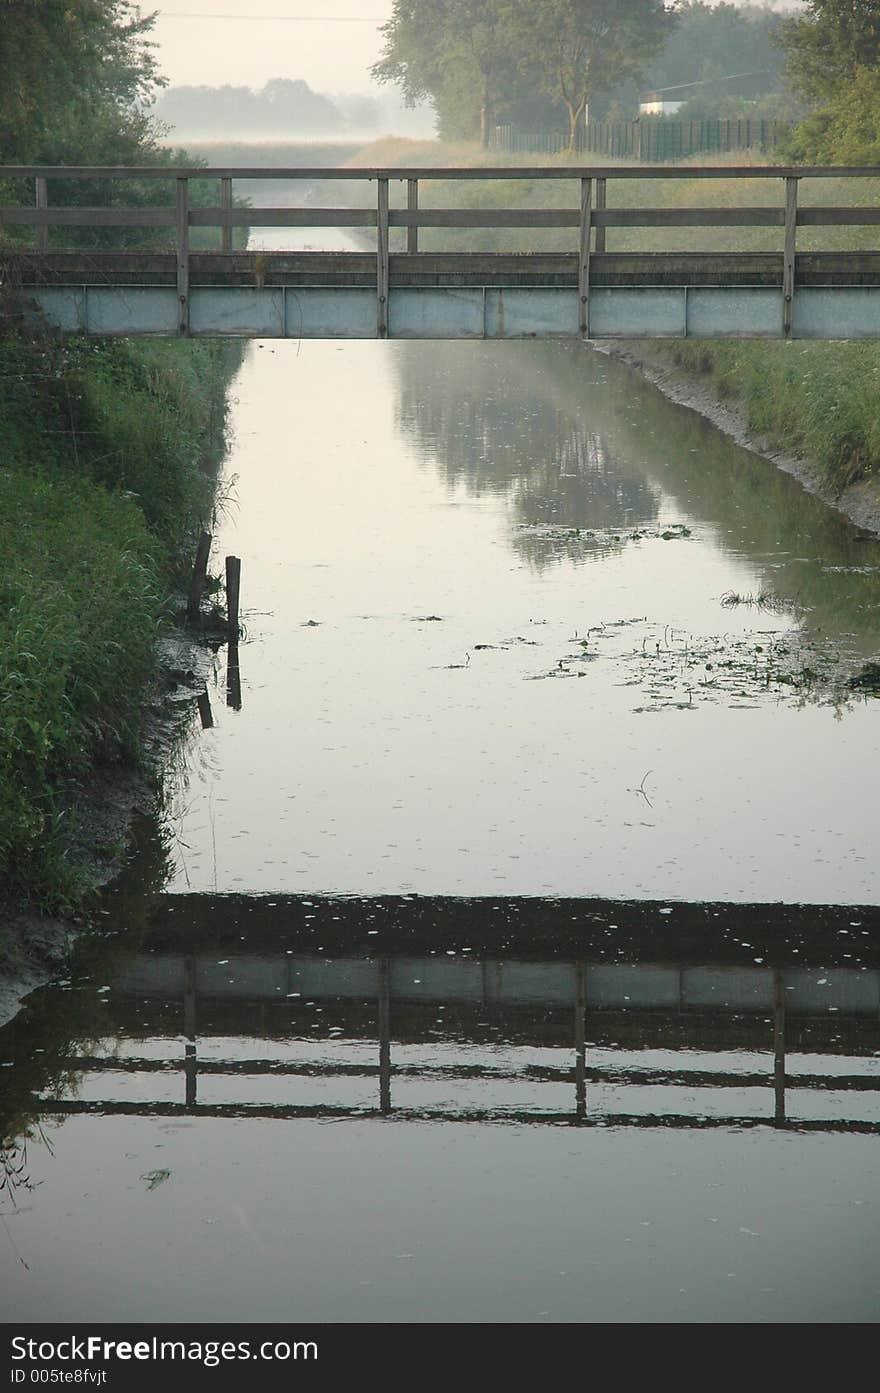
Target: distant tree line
column 284, row 105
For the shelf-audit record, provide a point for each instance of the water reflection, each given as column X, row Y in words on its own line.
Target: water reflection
column 524, row 421
column 496, row 428
column 592, row 1013
column 415, row 1109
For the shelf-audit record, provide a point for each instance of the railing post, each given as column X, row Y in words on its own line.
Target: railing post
column 600, row 207
column 382, row 261
column 412, row 206
column 183, row 258
column 226, row 204
column 584, row 259
column 42, row 201
column 580, row 1044
column 779, row 1046
column 788, row 261
column 384, row 1005
column 189, row 1029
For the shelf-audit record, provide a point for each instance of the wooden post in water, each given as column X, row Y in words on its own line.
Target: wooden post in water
column 199, row 576
column 233, row 678
column 233, row 589
column 233, row 671
column 206, row 715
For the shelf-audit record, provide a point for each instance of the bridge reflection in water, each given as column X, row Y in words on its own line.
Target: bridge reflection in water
column 480, row 1011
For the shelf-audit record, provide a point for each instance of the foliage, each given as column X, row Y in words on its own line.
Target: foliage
column 714, row 103
column 711, row 41
column 75, row 78
column 481, row 61
column 846, row 130
column 826, row 46
column 577, row 49
column 100, row 482
column 455, row 52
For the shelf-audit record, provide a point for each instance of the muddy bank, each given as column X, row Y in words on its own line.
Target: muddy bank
column 859, row 502
column 35, row 946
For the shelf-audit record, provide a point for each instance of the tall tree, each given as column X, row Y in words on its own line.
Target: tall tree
column 827, row 45
column 449, row 51
column 73, row 72
column 575, row 50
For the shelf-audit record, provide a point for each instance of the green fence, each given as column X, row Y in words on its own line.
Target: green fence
column 651, row 140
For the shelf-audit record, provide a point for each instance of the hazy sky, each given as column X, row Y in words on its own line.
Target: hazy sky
column 330, row 43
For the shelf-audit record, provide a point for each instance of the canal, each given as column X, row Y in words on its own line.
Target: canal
column 507, row 947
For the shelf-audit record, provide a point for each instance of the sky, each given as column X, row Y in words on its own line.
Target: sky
column 330, row 43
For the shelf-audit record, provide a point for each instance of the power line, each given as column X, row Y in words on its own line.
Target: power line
column 279, row 19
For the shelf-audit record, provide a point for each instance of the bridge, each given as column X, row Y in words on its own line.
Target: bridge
column 172, row 287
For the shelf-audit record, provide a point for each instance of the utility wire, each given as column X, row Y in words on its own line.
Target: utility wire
column 279, row 19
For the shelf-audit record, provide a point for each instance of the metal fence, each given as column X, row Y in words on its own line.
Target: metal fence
column 651, row 141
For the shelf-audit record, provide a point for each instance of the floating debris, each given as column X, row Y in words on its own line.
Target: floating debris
column 779, row 604
column 155, row 1178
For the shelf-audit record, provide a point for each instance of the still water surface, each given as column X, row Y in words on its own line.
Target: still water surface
column 515, row 627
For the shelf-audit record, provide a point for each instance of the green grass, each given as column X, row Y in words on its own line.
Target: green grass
column 818, row 400
column 102, row 487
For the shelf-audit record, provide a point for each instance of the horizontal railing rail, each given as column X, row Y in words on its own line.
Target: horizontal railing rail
column 437, row 217
column 309, row 173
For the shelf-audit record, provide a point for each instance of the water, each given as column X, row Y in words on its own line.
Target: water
column 407, row 520
column 457, row 982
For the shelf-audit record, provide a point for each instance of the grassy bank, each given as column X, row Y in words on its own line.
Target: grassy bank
column 820, row 400
column 102, row 486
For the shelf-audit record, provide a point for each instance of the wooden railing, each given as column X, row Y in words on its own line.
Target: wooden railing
column 592, row 217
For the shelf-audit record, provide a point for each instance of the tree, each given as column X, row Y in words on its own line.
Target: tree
column 457, row 53
column 71, row 72
column 716, row 41
column 825, row 47
column 574, row 50
column 846, row 130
